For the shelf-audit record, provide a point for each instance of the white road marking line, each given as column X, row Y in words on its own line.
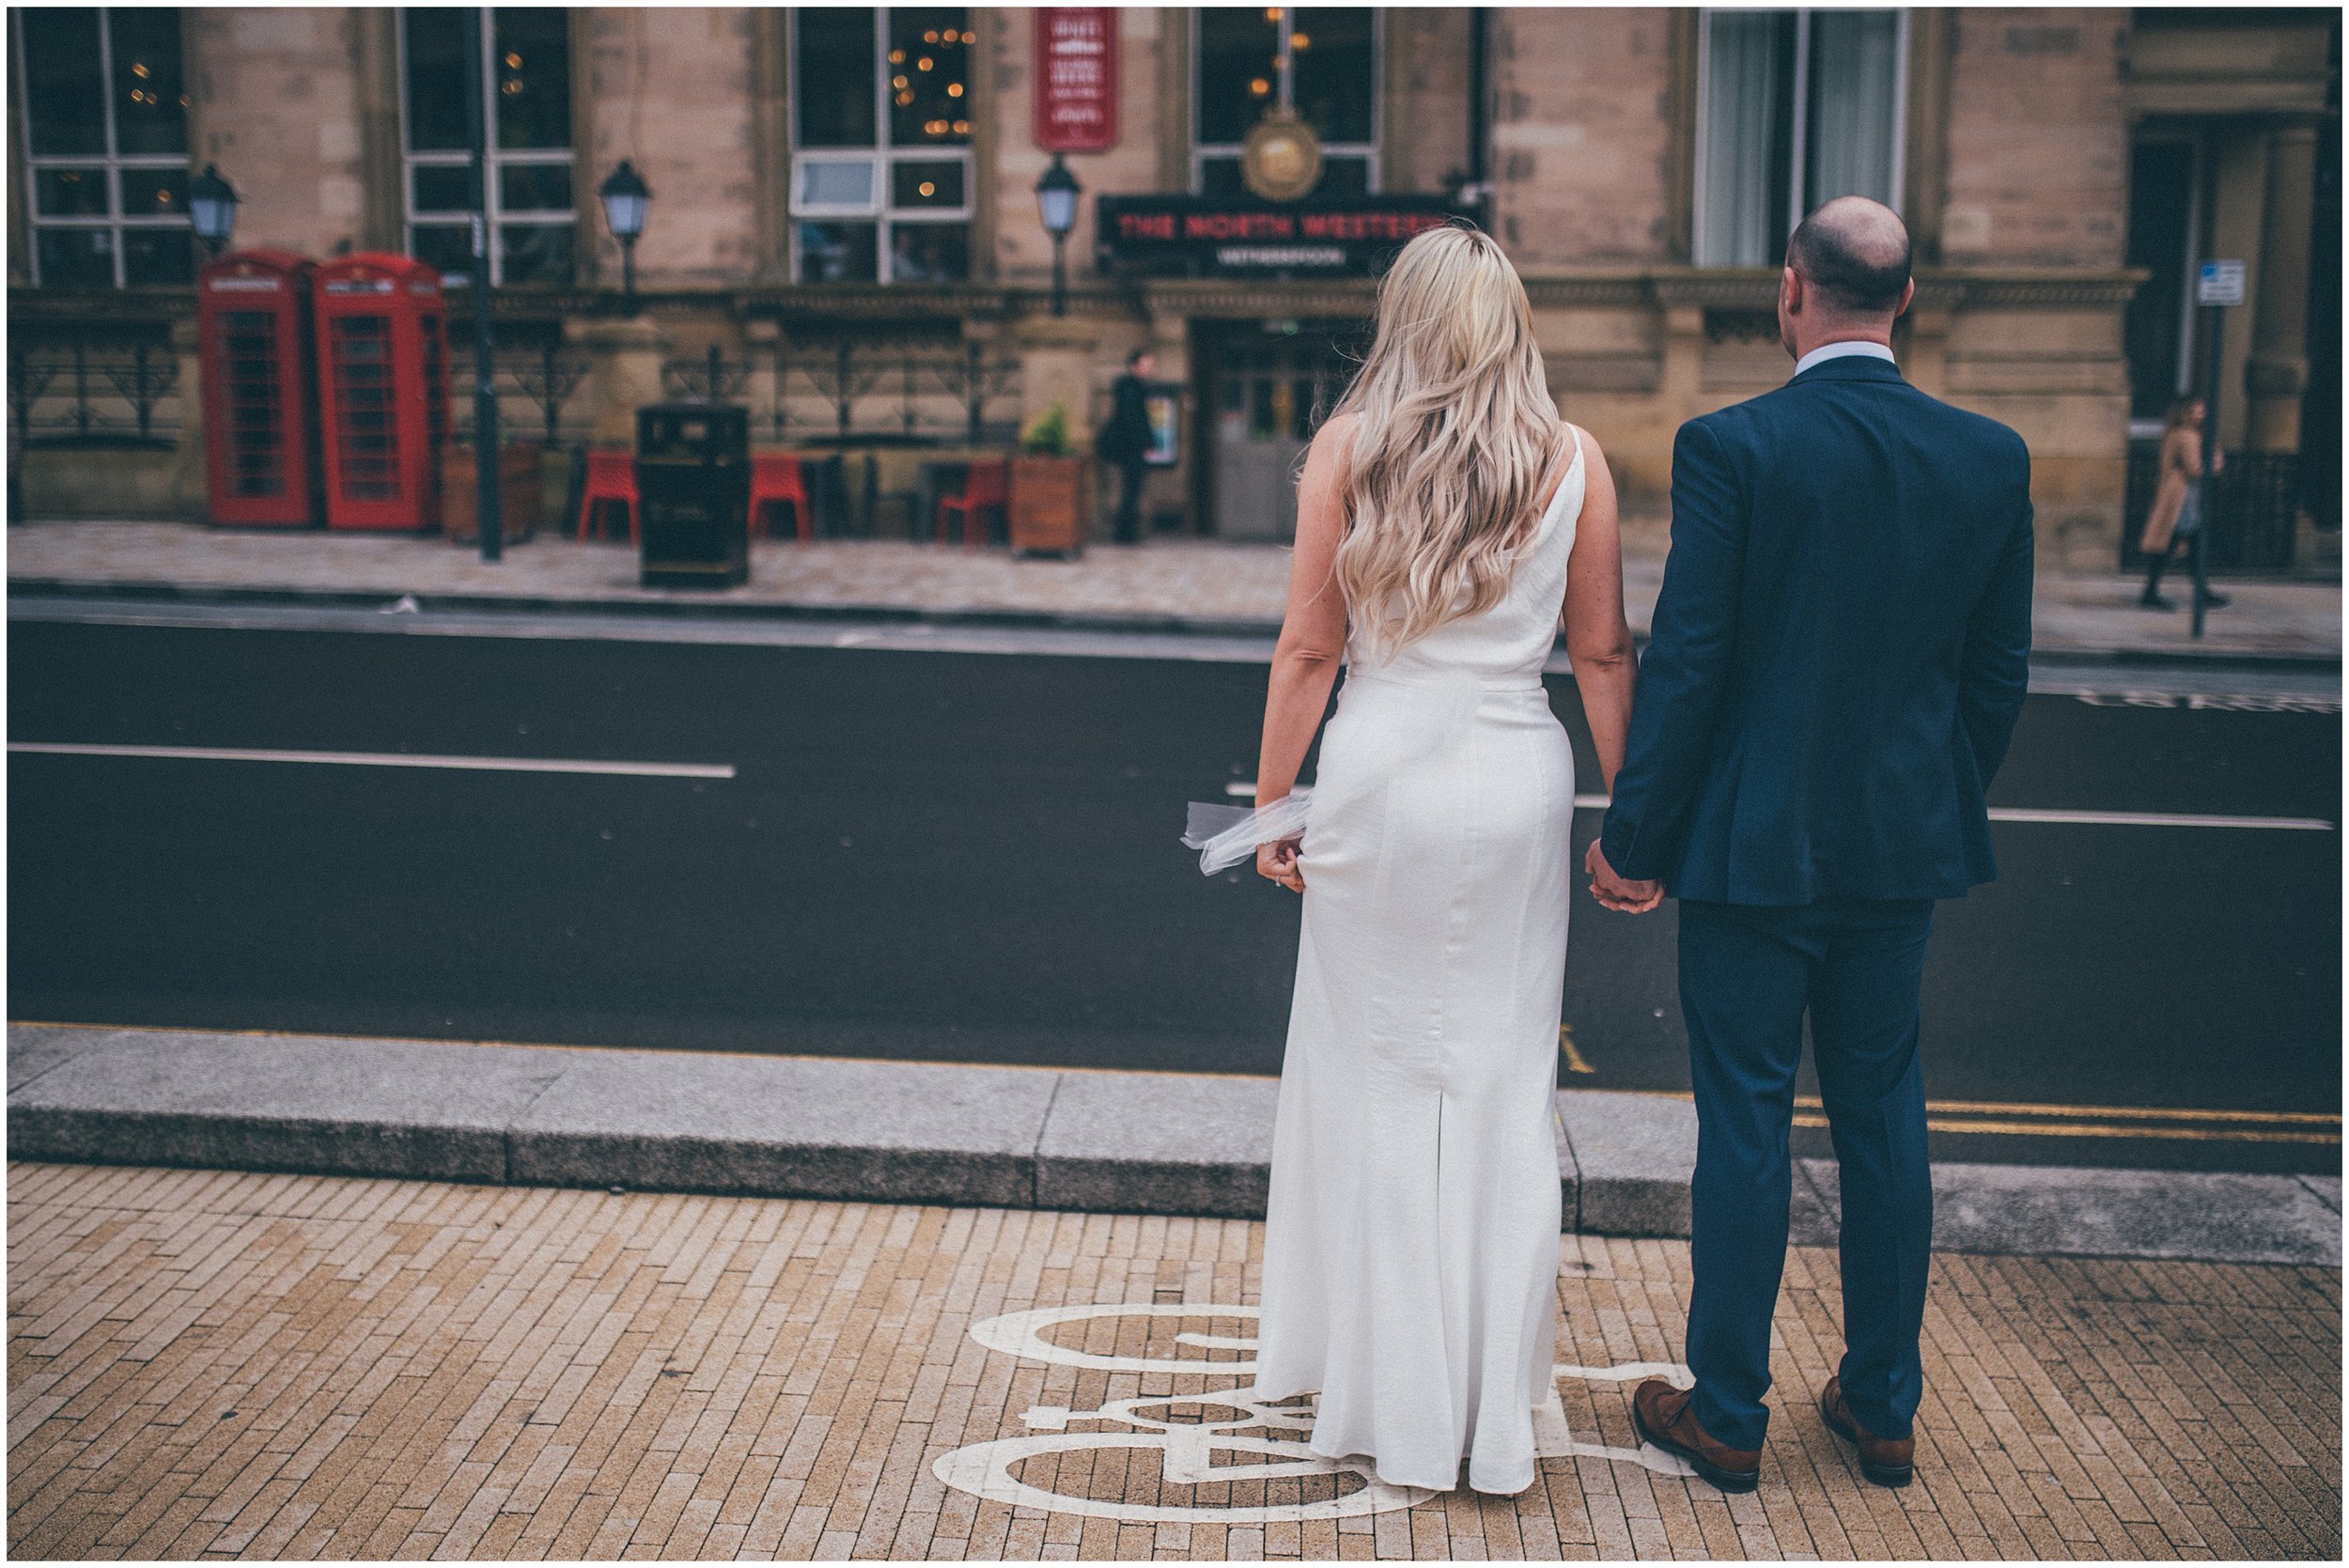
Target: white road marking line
column 387, row 759
column 2026, row 814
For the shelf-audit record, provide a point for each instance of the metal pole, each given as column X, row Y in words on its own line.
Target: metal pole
column 1060, row 275
column 2207, row 484
column 484, row 395
column 1284, row 59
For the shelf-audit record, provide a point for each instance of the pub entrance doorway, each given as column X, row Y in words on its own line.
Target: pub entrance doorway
column 1266, row 386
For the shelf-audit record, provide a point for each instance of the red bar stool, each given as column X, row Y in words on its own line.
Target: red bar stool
column 987, row 487
column 777, row 480
column 611, row 478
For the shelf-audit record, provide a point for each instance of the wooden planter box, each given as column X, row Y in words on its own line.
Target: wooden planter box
column 521, row 492
column 1049, row 497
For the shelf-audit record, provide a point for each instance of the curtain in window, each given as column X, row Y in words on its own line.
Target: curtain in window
column 1748, row 82
column 1854, row 71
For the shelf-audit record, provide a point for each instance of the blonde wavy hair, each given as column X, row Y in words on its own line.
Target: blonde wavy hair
column 1454, row 431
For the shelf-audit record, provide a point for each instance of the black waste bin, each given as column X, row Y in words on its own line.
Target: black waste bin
column 693, row 482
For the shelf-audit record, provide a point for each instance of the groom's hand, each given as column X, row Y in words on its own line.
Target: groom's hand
column 1615, row 893
column 1277, row 861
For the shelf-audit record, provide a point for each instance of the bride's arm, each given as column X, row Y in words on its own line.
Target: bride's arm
column 1312, row 636
column 1597, row 638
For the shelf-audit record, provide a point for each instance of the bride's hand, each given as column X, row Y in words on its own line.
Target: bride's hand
column 1276, row 862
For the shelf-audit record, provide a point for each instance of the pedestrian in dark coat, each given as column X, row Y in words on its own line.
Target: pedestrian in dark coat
column 1125, row 441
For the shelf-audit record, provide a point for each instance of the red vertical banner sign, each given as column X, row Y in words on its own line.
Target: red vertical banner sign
column 1076, row 78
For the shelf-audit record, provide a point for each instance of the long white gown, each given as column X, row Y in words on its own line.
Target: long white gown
column 1411, row 1240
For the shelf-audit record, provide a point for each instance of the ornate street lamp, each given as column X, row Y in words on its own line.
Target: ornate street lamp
column 625, row 200
column 1056, row 196
column 213, row 208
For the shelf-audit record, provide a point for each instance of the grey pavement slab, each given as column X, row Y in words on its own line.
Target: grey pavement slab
column 1634, row 1155
column 883, row 1131
column 1160, row 1142
column 272, row 1102
column 1012, row 1137
column 32, row 1051
column 2079, row 1211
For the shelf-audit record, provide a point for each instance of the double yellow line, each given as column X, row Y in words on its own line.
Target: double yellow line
column 2000, row 1117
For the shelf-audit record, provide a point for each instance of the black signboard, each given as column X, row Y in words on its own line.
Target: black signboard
column 1215, row 237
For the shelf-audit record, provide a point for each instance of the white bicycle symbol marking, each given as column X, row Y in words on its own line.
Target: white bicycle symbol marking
column 1188, row 1449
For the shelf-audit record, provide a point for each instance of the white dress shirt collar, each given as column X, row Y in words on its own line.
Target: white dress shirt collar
column 1825, row 351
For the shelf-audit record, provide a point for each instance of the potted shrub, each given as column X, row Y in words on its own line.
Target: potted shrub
column 522, row 483
column 1049, row 488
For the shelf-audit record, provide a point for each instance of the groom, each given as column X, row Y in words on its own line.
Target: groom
column 1839, row 655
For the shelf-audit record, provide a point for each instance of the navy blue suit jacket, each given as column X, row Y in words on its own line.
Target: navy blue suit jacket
column 1840, row 651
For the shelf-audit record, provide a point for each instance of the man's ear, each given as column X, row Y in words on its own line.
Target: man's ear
column 1790, row 290
column 1908, row 293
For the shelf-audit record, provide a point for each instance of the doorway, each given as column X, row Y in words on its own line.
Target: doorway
column 1267, row 386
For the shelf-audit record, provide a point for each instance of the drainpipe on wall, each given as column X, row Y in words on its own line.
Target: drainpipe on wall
column 1478, row 191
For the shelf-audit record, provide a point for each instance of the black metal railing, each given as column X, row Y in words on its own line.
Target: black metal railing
column 913, row 392
column 96, row 392
column 536, row 379
column 2254, row 507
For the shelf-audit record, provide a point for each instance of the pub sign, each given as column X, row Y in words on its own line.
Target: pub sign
column 1076, row 78
column 1212, row 237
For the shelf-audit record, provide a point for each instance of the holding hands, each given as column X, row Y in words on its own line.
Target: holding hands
column 1615, row 893
column 1276, row 862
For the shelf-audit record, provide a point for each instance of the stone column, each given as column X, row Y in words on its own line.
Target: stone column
column 1056, row 366
column 625, row 356
column 191, row 497
column 2277, row 372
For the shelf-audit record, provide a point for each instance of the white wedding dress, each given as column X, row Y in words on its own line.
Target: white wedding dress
column 1411, row 1241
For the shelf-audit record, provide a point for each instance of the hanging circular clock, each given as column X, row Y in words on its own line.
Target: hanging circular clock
column 1281, row 161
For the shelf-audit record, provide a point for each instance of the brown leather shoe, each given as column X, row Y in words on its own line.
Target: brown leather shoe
column 1663, row 1415
column 1885, row 1460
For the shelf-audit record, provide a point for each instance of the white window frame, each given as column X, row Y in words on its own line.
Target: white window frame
column 499, row 216
column 111, row 161
column 880, row 159
column 1374, row 180
column 1800, row 130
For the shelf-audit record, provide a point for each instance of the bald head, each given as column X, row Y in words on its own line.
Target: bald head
column 1854, row 254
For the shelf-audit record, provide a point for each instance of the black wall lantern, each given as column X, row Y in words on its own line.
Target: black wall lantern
column 213, row 208
column 625, row 200
column 1056, row 196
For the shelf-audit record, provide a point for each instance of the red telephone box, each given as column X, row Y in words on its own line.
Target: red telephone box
column 260, row 391
column 383, row 348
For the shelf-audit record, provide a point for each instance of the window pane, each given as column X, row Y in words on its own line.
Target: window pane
column 437, row 74
column 151, row 111
column 1344, row 176
column 1336, row 82
column 1238, row 73
column 926, row 183
column 930, row 253
column 76, row 257
column 1854, row 74
column 158, row 255
column 1220, row 177
column 442, row 188
column 534, row 253
column 533, row 77
column 155, row 193
column 833, row 79
column 69, row 193
column 535, row 188
column 445, row 246
column 929, row 76
column 836, row 184
column 838, row 252
column 65, row 107
column 1748, row 126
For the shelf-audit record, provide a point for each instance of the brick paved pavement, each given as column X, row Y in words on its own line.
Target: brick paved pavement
column 210, row 1363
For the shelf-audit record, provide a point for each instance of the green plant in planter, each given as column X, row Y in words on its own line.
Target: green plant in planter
column 1046, row 435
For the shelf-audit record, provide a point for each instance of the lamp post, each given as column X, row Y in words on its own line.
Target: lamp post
column 625, row 200
column 485, row 394
column 1056, row 196
column 213, row 208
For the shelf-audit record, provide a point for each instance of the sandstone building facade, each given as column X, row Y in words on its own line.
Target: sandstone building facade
column 845, row 235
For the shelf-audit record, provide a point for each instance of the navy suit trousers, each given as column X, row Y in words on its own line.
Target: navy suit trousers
column 1747, row 975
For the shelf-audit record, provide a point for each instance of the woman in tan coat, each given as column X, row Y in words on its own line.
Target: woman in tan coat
column 2181, row 473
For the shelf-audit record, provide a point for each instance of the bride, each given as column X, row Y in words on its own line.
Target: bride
column 1446, row 517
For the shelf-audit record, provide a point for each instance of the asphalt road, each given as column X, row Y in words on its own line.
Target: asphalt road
column 972, row 856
